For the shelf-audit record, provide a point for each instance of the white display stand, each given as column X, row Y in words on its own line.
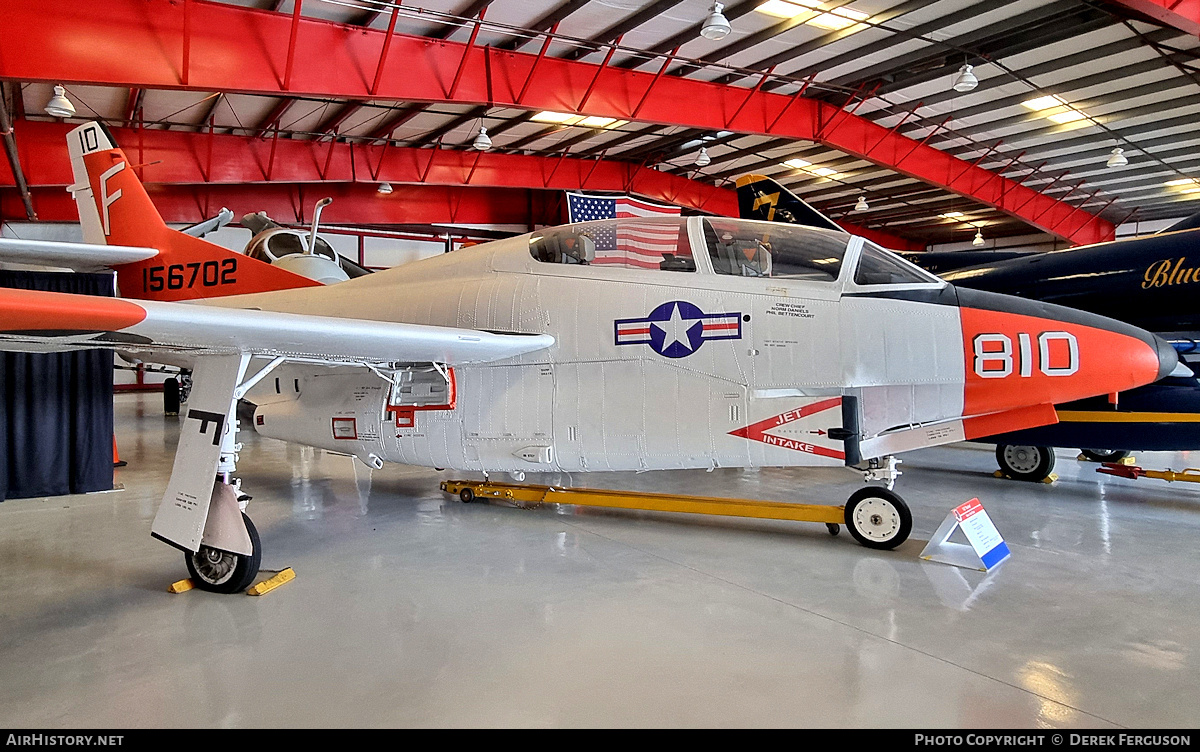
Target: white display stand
column 987, row 547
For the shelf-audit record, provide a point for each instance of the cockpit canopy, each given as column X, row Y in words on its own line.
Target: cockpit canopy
column 273, row 245
column 736, row 247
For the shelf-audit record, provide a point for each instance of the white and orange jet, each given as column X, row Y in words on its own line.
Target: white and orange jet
column 640, row 344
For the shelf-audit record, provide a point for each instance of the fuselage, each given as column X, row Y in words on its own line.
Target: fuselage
column 712, row 343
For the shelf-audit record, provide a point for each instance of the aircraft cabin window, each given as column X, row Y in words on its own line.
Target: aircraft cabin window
column 879, row 267
column 745, row 248
column 659, row 244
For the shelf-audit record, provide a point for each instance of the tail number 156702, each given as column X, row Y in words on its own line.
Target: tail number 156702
column 195, row 274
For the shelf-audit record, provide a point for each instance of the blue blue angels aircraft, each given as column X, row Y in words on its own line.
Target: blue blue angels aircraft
column 1152, row 282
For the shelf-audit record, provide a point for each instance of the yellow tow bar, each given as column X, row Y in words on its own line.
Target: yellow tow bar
column 469, row 491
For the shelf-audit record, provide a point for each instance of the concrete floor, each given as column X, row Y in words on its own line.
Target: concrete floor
column 412, row 609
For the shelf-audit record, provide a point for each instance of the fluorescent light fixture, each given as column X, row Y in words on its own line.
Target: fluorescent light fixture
column 589, row 121
column 597, row 122
column 546, row 116
column 1181, row 181
column 952, row 215
column 1068, row 116
column 837, row 19
column 1044, row 103
column 797, row 164
column 783, row 8
column 1191, row 190
column 822, row 171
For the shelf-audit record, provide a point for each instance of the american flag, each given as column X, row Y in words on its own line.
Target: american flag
column 631, row 243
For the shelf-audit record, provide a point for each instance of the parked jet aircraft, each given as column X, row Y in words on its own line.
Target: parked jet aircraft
column 1144, row 281
column 640, row 344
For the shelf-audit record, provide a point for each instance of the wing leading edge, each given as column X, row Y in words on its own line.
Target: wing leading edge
column 36, row 321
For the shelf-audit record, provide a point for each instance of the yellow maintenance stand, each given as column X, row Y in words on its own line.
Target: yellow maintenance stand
column 876, row 517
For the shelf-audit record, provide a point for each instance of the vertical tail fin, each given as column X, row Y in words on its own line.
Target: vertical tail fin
column 115, row 209
column 760, row 197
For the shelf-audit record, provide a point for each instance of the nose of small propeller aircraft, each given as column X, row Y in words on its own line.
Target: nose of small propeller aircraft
column 1022, row 352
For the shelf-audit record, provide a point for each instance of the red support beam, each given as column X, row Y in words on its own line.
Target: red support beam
column 387, row 44
column 237, row 49
column 1181, row 14
column 184, row 160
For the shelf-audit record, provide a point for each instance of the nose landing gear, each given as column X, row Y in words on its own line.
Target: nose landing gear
column 223, row 571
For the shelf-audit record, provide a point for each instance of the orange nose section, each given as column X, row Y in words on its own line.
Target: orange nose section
column 1019, row 353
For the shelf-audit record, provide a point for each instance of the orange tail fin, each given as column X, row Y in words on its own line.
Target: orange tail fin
column 115, row 209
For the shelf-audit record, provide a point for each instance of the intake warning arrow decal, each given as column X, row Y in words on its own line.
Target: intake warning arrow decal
column 758, row 431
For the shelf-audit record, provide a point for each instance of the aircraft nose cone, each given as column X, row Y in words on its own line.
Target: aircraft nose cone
column 1022, row 352
column 1168, row 358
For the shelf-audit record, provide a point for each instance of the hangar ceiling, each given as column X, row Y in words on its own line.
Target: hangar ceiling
column 1061, row 84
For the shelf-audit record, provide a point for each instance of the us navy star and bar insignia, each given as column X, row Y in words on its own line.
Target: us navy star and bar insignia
column 677, row 329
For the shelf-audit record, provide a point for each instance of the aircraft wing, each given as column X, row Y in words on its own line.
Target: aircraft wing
column 82, row 257
column 36, row 321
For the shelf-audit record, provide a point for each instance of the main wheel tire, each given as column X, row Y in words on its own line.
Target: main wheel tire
column 1104, row 455
column 1021, row 462
column 878, row 518
column 222, row 571
column 466, row 496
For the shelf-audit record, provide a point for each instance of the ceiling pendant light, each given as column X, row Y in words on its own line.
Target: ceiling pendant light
column 482, row 141
column 978, row 237
column 1118, row 158
column 862, row 204
column 716, row 26
column 59, row 105
column 965, row 80
column 384, row 189
column 702, row 159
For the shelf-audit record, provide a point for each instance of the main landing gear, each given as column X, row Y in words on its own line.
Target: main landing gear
column 1033, row 463
column 877, row 517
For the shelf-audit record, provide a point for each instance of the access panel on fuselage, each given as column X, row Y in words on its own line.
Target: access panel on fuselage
column 645, row 415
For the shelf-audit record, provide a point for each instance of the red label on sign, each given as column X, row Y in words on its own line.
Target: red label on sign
column 967, row 509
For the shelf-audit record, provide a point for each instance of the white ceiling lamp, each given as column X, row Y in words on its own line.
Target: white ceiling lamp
column 978, row 237
column 716, row 26
column 1118, row 158
column 384, row 189
column 862, row 204
column 965, row 80
column 59, row 105
column 702, row 159
column 482, row 141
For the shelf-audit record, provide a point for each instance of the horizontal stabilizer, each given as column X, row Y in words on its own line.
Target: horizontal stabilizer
column 35, row 321
column 82, row 257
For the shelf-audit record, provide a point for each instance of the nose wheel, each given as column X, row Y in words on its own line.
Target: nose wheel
column 222, row 571
column 878, row 518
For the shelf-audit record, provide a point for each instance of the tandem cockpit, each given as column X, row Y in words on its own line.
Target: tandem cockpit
column 728, row 247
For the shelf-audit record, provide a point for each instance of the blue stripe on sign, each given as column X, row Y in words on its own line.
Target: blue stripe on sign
column 996, row 555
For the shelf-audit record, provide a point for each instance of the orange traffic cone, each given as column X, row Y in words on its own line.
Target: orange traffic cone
column 117, row 462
